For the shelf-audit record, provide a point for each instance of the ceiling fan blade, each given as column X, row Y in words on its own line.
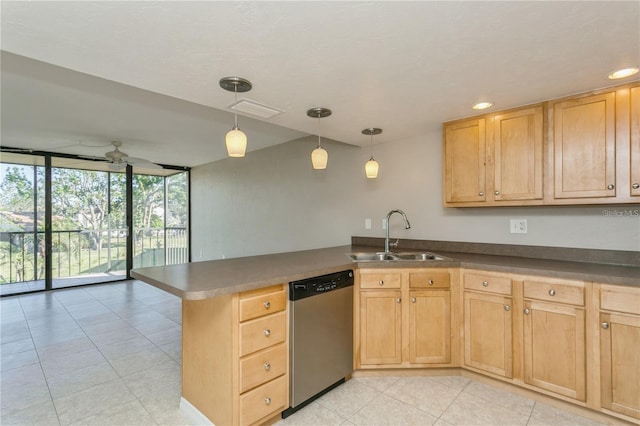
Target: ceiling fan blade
column 135, row 160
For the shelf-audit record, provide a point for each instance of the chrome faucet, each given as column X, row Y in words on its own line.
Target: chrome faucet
column 406, row 226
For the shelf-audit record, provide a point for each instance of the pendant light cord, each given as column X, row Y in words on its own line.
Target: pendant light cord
column 235, row 101
column 319, row 145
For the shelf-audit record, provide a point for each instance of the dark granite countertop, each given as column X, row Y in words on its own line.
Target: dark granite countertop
column 201, row 280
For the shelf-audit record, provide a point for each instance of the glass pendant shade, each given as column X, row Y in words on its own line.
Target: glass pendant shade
column 319, row 158
column 371, row 169
column 236, row 142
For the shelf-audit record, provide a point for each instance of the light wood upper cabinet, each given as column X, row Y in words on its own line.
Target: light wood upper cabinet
column 517, row 153
column 495, row 159
column 583, row 149
column 584, row 140
column 465, row 156
column 635, row 141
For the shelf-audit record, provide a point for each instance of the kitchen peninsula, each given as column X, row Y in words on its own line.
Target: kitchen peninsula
column 235, row 324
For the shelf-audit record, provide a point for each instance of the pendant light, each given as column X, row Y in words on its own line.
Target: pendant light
column 371, row 166
column 235, row 139
column 319, row 156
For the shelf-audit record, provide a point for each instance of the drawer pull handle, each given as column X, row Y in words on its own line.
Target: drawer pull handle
column 485, row 283
column 413, row 300
column 497, row 192
column 267, row 400
column 267, row 366
column 636, row 185
column 398, row 300
column 267, row 332
column 480, row 193
column 267, row 305
column 610, row 187
column 381, row 283
column 507, row 308
column 552, row 292
column 605, row 325
column 527, row 311
column 430, row 282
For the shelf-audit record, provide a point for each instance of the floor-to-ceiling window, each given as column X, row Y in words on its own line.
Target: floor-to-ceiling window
column 89, row 210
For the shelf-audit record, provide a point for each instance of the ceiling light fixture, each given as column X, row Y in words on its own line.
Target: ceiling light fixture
column 371, row 166
column 235, row 139
column 319, row 156
column 627, row 72
column 482, row 105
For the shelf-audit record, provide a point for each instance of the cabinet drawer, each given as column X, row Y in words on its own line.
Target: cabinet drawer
column 263, row 366
column 264, row 401
column 381, row 280
column 488, row 283
column 262, row 304
column 429, row 280
column 561, row 293
column 620, row 299
column 262, row 332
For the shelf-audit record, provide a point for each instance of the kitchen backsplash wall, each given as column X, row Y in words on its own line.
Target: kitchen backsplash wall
column 273, row 201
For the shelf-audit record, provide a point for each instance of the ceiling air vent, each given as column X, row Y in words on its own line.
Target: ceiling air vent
column 245, row 106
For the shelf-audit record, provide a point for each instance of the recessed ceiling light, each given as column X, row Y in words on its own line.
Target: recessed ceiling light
column 627, row 72
column 482, row 105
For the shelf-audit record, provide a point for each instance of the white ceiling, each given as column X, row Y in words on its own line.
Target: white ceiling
column 403, row 66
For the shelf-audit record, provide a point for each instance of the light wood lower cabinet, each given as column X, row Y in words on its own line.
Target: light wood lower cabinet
column 487, row 332
column 406, row 325
column 620, row 349
column 235, row 356
column 381, row 327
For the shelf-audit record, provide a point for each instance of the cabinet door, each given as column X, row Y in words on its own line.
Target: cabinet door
column 381, row 327
column 464, row 168
column 487, row 333
column 554, row 348
column 517, row 145
column 430, row 327
column 620, row 363
column 584, row 147
column 635, row 141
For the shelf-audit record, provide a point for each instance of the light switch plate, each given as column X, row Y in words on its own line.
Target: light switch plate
column 518, row 226
column 367, row 223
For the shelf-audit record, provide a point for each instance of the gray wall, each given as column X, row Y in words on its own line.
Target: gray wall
column 273, row 201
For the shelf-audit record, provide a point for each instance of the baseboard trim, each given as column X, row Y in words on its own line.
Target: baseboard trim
column 193, row 413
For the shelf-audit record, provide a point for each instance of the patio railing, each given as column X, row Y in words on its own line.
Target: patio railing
column 81, row 252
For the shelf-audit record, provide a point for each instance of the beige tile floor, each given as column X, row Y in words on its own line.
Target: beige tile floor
column 110, row 355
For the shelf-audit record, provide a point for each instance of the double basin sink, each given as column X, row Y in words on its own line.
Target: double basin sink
column 396, row 257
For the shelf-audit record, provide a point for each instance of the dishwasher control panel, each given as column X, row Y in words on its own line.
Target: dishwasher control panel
column 322, row 284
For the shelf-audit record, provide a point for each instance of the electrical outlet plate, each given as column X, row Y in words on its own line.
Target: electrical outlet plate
column 518, row 226
column 367, row 223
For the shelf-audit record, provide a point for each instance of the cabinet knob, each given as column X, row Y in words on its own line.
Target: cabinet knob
column 610, row 186
column 267, row 400
column 552, row 292
column 398, row 300
column 481, row 193
column 380, row 283
column 267, row 366
column 635, row 185
column 430, row 282
column 485, row 283
column 527, row 311
column 605, row 325
column 507, row 308
column 267, row 305
column 497, row 192
column 413, row 300
column 267, row 332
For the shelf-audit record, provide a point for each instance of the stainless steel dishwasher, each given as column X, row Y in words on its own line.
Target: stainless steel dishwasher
column 321, row 336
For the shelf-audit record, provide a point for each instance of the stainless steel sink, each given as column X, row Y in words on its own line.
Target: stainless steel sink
column 406, row 256
column 371, row 257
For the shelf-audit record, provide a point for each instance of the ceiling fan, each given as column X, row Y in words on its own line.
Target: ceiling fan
column 119, row 159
